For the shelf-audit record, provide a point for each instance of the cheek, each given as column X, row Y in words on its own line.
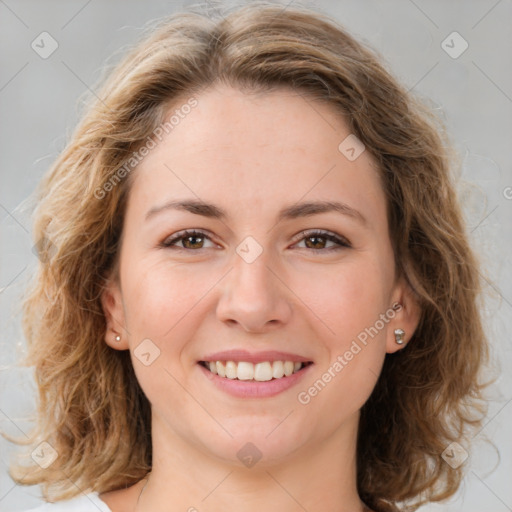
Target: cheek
column 161, row 306
column 347, row 300
column 351, row 303
column 161, row 296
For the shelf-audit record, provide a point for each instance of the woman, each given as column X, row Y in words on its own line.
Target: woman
column 256, row 290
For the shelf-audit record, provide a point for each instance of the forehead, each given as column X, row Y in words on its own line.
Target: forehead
column 257, row 150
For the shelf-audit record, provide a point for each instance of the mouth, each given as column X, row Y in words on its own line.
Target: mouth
column 263, row 371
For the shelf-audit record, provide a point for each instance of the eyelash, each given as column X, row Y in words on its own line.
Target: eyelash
column 342, row 242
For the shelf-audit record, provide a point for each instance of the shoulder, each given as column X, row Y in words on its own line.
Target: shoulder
column 84, row 503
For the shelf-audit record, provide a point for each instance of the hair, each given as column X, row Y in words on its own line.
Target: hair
column 91, row 408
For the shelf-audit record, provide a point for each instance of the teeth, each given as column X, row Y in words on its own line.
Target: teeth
column 278, row 369
column 261, row 372
column 288, row 368
column 245, row 371
column 221, row 370
column 231, row 370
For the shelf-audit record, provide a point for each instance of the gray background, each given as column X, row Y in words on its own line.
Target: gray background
column 39, row 105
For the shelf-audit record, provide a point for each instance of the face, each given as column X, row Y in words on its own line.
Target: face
column 257, row 274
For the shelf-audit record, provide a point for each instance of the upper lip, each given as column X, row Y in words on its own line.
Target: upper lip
column 255, row 357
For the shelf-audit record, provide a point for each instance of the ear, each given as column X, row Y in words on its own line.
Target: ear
column 407, row 316
column 113, row 308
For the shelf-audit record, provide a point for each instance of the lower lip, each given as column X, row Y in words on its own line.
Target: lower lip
column 254, row 389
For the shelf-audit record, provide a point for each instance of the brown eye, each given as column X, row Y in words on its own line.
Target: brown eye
column 190, row 240
column 317, row 241
column 193, row 240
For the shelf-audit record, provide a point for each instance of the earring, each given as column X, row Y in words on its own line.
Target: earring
column 118, row 338
column 399, row 336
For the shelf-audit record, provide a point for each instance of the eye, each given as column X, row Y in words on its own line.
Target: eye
column 191, row 239
column 317, row 241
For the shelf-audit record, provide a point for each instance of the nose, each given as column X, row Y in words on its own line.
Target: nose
column 255, row 296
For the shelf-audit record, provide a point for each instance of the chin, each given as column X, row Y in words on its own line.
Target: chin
column 263, row 441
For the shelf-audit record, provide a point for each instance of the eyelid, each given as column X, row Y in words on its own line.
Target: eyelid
column 184, row 233
column 340, row 241
column 320, row 232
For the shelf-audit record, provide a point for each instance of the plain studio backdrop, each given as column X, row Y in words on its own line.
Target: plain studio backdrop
column 455, row 54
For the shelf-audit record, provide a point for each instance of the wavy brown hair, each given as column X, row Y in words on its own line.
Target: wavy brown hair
column 90, row 406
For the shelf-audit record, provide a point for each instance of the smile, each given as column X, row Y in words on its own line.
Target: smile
column 261, row 372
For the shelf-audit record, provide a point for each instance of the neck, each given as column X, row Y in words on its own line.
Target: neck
column 314, row 478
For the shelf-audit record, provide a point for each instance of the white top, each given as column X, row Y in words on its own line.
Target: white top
column 85, row 503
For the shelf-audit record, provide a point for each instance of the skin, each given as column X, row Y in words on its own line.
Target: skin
column 253, row 154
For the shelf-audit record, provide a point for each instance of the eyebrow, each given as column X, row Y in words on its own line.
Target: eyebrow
column 294, row 211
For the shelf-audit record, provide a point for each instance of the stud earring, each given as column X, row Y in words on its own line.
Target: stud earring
column 118, row 338
column 399, row 336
